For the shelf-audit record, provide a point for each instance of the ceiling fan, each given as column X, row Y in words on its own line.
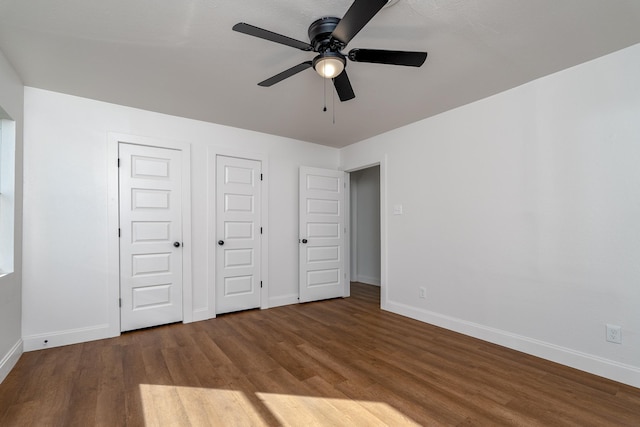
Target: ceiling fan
column 328, row 37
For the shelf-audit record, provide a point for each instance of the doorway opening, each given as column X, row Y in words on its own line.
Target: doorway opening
column 365, row 220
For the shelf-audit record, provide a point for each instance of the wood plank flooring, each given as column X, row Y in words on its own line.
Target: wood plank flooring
column 334, row 363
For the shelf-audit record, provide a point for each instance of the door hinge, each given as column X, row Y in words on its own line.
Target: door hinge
column 118, row 162
column 119, row 302
column 119, row 234
column 260, row 284
column 261, row 177
column 260, row 230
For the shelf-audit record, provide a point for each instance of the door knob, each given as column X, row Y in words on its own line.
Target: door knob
column 304, row 240
column 176, row 244
column 221, row 242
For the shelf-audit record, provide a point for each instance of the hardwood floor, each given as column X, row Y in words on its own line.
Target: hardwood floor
column 337, row 362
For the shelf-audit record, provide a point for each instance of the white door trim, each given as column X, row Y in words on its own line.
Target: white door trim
column 212, row 153
column 347, row 234
column 382, row 161
column 113, row 261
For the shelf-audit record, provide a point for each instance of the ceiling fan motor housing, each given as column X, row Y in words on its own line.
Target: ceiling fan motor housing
column 320, row 35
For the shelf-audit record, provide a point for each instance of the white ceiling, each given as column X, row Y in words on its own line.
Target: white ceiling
column 181, row 57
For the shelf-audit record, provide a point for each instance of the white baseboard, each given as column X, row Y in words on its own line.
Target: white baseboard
column 369, row 280
column 70, row 336
column 10, row 359
column 283, row 300
column 596, row 365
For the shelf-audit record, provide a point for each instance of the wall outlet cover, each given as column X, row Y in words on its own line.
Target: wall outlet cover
column 614, row 334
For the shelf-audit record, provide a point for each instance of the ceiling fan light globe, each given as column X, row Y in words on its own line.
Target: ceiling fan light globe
column 329, row 67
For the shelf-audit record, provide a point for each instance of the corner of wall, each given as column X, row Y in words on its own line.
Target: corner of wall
column 10, row 359
column 11, row 346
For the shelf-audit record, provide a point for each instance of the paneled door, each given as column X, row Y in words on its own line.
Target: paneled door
column 322, row 234
column 238, row 193
column 150, row 236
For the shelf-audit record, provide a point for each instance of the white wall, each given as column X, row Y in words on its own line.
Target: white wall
column 11, row 101
column 66, row 223
column 365, row 230
column 521, row 216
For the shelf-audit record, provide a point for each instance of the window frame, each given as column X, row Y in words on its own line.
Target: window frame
column 7, row 192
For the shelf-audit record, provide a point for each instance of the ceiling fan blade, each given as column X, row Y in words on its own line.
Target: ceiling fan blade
column 393, row 57
column 343, row 86
column 271, row 36
column 358, row 15
column 285, row 74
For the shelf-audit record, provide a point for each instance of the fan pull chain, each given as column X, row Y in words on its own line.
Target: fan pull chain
column 325, row 95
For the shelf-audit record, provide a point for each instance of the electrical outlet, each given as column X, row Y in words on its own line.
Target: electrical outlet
column 614, row 334
column 423, row 292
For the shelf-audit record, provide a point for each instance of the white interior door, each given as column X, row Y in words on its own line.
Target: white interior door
column 238, row 193
column 322, row 234
column 150, row 236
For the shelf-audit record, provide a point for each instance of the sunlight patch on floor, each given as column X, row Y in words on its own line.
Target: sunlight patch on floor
column 314, row 411
column 192, row 406
column 166, row 405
